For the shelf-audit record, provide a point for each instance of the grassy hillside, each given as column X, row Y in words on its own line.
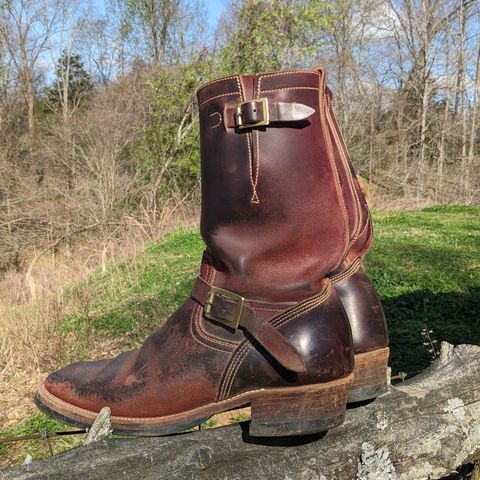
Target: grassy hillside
column 425, row 265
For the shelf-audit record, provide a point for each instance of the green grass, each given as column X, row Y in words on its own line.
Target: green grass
column 37, row 449
column 137, row 296
column 210, row 423
column 425, row 265
column 241, row 417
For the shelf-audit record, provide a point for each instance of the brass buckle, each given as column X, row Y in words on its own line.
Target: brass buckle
column 238, row 114
column 212, row 294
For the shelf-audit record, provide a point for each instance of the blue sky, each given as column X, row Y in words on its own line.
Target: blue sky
column 214, row 9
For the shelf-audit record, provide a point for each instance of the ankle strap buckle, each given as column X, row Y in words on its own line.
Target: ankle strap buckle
column 224, row 307
column 252, row 113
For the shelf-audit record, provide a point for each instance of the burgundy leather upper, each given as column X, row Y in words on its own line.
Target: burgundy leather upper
column 273, row 215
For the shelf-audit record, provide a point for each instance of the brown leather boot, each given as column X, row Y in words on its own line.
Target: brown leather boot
column 263, row 325
column 352, row 285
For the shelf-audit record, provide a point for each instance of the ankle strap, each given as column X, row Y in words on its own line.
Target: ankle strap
column 231, row 309
column 261, row 112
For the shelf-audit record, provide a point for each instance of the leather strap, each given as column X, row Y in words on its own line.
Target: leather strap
column 224, row 309
column 253, row 113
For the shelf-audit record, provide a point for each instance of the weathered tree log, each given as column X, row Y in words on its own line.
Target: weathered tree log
column 423, row 429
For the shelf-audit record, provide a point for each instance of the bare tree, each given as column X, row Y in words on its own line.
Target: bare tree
column 166, row 27
column 25, row 29
column 473, row 125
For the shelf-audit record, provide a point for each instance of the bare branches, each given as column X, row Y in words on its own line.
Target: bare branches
column 25, row 29
column 405, row 74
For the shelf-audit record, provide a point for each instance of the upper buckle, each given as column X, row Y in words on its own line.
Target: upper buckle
column 220, row 292
column 238, row 115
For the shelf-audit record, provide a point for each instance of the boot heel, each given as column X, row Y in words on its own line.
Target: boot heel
column 370, row 375
column 299, row 410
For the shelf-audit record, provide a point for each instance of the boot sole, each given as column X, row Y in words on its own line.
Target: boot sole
column 370, row 375
column 275, row 412
column 298, row 411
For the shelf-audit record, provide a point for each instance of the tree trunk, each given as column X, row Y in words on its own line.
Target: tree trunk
column 30, row 96
column 443, row 134
column 473, row 126
column 465, row 173
column 422, row 429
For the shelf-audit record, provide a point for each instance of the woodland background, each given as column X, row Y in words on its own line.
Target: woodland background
column 98, row 122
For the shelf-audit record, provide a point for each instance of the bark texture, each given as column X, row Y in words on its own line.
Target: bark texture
column 423, row 429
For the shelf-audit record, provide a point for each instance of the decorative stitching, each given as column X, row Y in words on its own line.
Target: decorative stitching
column 290, row 72
column 364, row 228
column 250, row 171
column 269, row 309
column 256, row 158
column 232, row 370
column 334, row 169
column 350, row 180
column 209, row 338
column 196, row 313
column 239, row 86
column 352, row 269
column 283, row 73
column 217, row 80
column 253, row 183
column 367, row 224
column 343, row 155
column 281, row 320
column 217, row 96
column 288, row 88
column 219, row 121
column 254, row 179
column 210, row 274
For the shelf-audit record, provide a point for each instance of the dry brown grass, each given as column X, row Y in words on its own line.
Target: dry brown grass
column 31, row 307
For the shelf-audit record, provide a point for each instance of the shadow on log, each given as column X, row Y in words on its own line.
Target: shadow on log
column 423, row 429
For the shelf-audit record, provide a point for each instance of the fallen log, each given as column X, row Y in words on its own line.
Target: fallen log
column 423, row 428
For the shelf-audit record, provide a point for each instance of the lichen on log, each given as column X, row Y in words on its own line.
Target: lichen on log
column 424, row 428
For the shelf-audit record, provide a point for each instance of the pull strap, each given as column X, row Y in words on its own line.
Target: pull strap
column 230, row 309
column 261, row 111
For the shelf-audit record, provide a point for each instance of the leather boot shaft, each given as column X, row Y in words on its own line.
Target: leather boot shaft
column 274, row 218
column 352, row 285
column 359, row 219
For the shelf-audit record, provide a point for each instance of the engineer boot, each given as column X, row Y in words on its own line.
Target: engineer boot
column 352, row 285
column 263, row 325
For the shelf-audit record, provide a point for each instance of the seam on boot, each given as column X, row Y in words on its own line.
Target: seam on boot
column 351, row 270
column 215, row 97
column 288, row 88
column 193, row 322
column 219, row 121
column 343, row 156
column 333, row 166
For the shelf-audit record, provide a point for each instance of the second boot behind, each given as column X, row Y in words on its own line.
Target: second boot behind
column 351, row 282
